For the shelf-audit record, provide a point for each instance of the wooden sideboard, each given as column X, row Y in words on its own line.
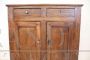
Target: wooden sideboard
column 44, row 31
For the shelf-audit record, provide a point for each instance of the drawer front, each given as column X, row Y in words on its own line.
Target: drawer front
column 60, row 12
column 33, row 12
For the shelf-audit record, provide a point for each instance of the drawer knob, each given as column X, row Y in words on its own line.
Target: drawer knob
column 26, row 12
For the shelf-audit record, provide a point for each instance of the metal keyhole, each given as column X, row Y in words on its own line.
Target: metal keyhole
column 49, row 43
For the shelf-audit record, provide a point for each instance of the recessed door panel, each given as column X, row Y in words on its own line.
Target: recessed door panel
column 57, row 40
column 29, row 40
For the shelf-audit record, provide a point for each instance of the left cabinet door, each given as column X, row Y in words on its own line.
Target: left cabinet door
column 27, row 41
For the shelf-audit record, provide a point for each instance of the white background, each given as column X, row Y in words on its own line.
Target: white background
column 85, row 25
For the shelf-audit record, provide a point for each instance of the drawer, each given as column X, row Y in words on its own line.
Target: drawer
column 33, row 12
column 60, row 12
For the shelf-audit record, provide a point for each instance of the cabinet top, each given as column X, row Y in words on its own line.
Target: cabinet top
column 44, row 5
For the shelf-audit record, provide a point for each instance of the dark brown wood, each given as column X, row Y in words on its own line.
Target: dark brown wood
column 44, row 31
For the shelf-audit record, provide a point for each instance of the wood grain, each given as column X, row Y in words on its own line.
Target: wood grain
column 44, row 31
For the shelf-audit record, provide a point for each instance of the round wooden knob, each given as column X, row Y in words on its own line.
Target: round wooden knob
column 26, row 12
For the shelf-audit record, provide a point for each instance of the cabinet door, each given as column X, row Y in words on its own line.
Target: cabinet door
column 57, row 40
column 29, row 40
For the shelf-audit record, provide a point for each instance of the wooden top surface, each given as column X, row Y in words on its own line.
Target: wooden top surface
column 44, row 5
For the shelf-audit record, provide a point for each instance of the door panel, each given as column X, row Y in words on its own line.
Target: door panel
column 29, row 40
column 57, row 40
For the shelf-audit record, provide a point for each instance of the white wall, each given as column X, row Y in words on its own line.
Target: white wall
column 85, row 25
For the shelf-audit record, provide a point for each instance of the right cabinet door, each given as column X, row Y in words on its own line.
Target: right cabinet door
column 58, row 40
